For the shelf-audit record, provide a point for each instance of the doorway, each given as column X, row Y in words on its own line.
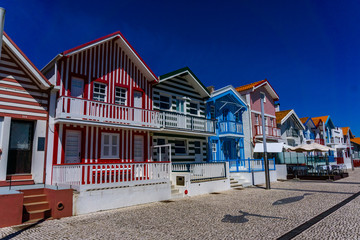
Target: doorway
column 20, row 147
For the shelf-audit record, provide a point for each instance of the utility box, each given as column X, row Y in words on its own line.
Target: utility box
column 180, row 180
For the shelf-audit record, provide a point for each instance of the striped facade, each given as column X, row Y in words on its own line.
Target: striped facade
column 24, row 104
column 109, row 62
column 20, row 96
column 182, row 86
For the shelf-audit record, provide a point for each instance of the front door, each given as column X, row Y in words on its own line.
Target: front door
column 20, row 147
column 138, row 148
column 138, row 104
column 73, row 147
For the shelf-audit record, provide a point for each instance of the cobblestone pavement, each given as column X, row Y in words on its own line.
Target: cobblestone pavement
column 253, row 213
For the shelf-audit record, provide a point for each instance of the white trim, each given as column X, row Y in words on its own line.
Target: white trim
column 26, row 63
column 265, row 114
column 297, row 118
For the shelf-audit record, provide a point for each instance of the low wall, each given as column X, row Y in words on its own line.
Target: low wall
column 11, row 208
column 281, row 171
column 105, row 199
column 255, row 178
column 60, row 202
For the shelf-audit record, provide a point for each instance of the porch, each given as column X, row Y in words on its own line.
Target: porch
column 250, row 165
column 84, row 177
column 230, row 127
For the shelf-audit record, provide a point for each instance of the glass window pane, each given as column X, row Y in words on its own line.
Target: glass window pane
column 106, row 139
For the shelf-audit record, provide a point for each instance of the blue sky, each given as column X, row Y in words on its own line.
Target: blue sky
column 308, row 50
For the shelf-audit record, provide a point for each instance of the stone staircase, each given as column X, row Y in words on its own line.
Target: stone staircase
column 238, row 183
column 36, row 206
column 175, row 193
column 17, row 180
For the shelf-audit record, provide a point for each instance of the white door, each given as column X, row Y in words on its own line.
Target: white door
column 138, row 103
column 77, row 91
column 139, row 148
column 73, row 147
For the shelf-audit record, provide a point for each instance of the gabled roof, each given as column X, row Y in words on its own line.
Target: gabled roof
column 255, row 85
column 282, row 116
column 228, row 89
column 356, row 140
column 304, row 119
column 118, row 37
column 190, row 77
column 347, row 130
column 324, row 119
column 24, row 61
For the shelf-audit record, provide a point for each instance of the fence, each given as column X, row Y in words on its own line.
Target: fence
column 201, row 171
column 90, row 176
column 250, row 165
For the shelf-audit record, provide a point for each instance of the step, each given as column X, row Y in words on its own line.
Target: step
column 19, row 177
column 34, row 191
column 232, row 178
column 16, row 183
column 39, row 214
column 236, row 185
column 233, row 181
column 34, row 206
column 34, row 198
column 32, row 221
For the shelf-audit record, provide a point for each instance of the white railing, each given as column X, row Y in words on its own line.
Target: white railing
column 161, row 153
column 269, row 131
column 230, row 127
column 77, row 108
column 201, row 171
column 91, row 176
column 186, row 122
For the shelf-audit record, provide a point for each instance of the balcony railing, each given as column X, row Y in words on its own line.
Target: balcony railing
column 231, row 127
column 269, row 131
column 250, row 165
column 201, row 171
column 82, row 109
column 172, row 120
column 93, row 176
column 320, row 141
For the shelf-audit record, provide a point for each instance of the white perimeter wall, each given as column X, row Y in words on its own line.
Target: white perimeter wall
column 97, row 200
column 259, row 177
column 281, row 171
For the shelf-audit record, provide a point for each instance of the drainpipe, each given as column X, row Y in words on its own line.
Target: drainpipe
column 2, row 20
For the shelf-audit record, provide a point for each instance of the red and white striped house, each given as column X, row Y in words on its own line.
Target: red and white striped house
column 24, row 94
column 101, row 128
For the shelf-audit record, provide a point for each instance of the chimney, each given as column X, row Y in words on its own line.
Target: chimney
column 277, row 107
column 2, row 20
column 211, row 89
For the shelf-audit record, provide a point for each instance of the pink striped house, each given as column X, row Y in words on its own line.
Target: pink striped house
column 101, row 128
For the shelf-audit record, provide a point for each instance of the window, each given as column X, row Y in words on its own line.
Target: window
column 225, row 114
column 120, row 96
column 197, row 147
column 164, row 102
column 265, row 120
column 256, row 119
column 99, row 93
column 180, row 105
column 212, row 112
column 214, row 147
column 109, row 145
column 161, row 141
column 180, row 147
column 193, row 108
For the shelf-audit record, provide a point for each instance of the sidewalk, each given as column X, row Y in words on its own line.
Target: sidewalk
column 253, row 213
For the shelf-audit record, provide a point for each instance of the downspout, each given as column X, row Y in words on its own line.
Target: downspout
column 2, row 20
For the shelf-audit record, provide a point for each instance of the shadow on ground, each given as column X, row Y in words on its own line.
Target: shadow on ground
column 242, row 218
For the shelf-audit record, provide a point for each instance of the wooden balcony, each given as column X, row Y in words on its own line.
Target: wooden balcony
column 272, row 132
column 101, row 112
column 177, row 121
column 292, row 133
column 230, row 127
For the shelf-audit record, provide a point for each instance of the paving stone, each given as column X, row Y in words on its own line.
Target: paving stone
column 253, row 213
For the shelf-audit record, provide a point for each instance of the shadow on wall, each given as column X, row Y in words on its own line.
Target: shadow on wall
column 242, row 218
